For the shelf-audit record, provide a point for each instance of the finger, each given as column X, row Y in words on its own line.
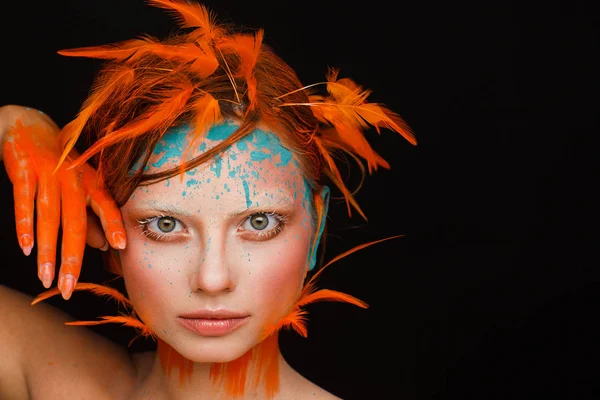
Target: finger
column 95, row 234
column 48, row 220
column 105, row 208
column 74, row 223
column 110, row 217
column 21, row 173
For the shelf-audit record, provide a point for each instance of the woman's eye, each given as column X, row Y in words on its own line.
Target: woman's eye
column 263, row 226
column 259, row 221
column 165, row 224
column 161, row 228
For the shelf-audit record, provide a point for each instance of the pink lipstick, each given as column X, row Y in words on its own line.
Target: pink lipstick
column 213, row 322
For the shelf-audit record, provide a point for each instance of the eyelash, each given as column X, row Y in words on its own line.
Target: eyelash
column 260, row 235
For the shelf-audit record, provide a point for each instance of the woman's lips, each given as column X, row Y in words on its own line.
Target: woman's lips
column 213, row 323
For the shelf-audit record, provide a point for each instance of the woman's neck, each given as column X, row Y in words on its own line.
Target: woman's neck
column 259, row 374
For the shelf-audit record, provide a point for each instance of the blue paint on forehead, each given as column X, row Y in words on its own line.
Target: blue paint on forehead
column 266, row 145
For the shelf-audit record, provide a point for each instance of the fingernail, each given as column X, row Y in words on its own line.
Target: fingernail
column 105, row 247
column 120, row 240
column 26, row 244
column 47, row 274
column 65, row 285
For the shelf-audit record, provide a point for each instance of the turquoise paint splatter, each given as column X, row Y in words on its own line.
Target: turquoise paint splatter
column 247, row 192
column 216, row 166
column 222, row 131
column 242, row 145
column 171, row 146
column 191, row 182
column 259, row 155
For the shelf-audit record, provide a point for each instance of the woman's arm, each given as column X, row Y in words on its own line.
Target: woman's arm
column 44, row 358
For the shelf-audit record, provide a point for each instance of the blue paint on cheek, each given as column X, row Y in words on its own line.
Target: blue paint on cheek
column 184, row 193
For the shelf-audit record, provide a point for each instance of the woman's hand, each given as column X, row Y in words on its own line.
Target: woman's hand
column 30, row 150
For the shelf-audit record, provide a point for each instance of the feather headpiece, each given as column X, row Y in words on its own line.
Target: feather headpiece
column 199, row 77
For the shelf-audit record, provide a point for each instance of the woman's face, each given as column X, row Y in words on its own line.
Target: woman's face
column 214, row 257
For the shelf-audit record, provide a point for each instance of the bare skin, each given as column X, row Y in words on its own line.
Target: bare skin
column 44, row 359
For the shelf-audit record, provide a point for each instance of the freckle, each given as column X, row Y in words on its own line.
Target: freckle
column 50, row 363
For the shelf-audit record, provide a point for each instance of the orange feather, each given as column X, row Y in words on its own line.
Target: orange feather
column 160, row 116
column 191, row 16
column 92, row 287
column 297, row 318
column 123, row 319
column 247, row 47
column 207, row 113
column 105, row 86
column 204, row 62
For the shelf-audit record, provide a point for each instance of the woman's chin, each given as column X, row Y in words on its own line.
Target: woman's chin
column 221, row 351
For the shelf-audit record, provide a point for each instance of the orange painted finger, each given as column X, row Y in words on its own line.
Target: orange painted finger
column 74, row 224
column 21, row 174
column 105, row 208
column 95, row 234
column 110, row 217
column 48, row 221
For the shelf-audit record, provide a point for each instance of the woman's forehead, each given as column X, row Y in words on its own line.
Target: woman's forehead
column 256, row 171
column 259, row 144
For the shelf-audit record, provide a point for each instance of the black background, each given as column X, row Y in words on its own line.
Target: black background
column 492, row 293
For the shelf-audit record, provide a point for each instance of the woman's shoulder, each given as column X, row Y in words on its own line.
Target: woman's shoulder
column 45, row 359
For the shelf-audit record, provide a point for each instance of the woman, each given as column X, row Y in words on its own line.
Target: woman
column 216, row 157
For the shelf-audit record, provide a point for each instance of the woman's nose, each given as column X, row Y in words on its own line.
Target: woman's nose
column 213, row 274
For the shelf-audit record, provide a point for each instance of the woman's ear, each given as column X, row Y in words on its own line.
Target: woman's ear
column 325, row 201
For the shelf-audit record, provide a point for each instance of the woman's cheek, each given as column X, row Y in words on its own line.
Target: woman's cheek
column 145, row 279
column 281, row 278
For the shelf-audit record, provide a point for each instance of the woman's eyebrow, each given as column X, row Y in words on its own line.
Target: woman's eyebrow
column 282, row 204
column 166, row 209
